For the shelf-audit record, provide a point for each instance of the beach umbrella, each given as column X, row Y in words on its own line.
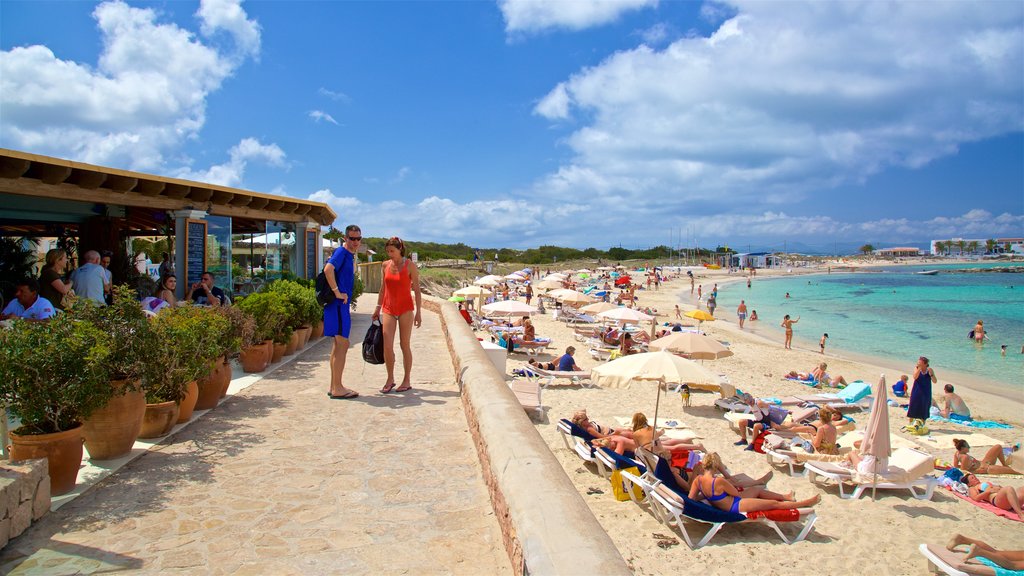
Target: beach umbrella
column 659, row 367
column 876, row 436
column 575, row 297
column 473, row 292
column 489, row 280
column 515, row 276
column 548, row 284
column 700, row 316
column 696, row 346
column 598, row 307
column 457, row 299
column 624, row 315
column 560, row 292
column 622, row 280
column 508, row 308
column 556, row 276
column 583, row 271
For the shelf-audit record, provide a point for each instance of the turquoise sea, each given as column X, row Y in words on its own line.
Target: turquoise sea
column 897, row 315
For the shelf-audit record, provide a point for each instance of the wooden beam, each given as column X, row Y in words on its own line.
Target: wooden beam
column 13, row 167
column 150, row 187
column 87, row 179
column 32, row 187
column 240, row 200
column 176, row 190
column 50, row 173
column 274, row 205
column 221, row 197
column 240, row 212
column 258, row 203
column 119, row 183
column 200, row 194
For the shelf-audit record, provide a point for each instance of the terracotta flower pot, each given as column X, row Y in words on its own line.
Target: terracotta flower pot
column 318, row 330
column 305, row 331
column 188, row 403
column 226, row 372
column 278, row 353
column 254, row 358
column 111, row 431
column 210, row 387
column 63, row 453
column 159, row 419
column 270, row 349
column 293, row 344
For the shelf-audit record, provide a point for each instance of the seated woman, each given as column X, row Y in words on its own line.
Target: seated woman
column 610, row 336
column 753, row 316
column 963, row 460
column 824, row 430
column 822, row 377
column 165, row 289
column 723, row 495
column 761, row 411
column 1003, row 497
column 626, row 345
column 581, row 419
column 529, row 332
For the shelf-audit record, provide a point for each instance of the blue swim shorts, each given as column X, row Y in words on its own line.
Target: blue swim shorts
column 337, row 321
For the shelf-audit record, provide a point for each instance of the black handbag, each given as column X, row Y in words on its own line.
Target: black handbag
column 324, row 294
column 373, row 343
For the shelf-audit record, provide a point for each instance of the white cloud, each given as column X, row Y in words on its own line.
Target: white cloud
column 336, row 96
column 656, row 34
column 146, row 95
column 787, row 100
column 401, row 175
column 232, row 172
column 538, row 15
column 320, row 115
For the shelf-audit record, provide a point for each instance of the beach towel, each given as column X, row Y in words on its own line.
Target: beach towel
column 971, row 423
column 986, row 506
column 808, row 382
column 1000, row 571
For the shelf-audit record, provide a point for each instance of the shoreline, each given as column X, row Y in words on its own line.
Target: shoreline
column 980, row 390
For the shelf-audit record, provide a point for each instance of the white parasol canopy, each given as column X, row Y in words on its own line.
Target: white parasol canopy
column 624, row 315
column 508, row 308
column 696, row 346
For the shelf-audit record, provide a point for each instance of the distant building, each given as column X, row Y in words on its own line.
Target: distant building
column 958, row 246
column 899, row 252
column 756, row 260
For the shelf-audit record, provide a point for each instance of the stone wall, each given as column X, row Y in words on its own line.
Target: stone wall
column 24, row 496
column 546, row 525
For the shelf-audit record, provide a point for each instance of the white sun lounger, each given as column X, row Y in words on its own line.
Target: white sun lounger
column 547, row 377
column 527, row 391
column 942, row 561
column 907, row 469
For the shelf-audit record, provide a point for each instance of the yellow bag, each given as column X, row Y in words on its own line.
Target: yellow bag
column 619, row 485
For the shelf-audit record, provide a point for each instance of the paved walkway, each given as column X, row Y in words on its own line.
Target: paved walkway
column 281, row 480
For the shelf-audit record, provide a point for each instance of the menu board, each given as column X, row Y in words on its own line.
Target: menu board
column 195, row 250
column 311, row 251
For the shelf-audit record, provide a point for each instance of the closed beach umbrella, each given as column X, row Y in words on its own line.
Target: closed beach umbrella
column 624, row 315
column 598, row 307
column 876, row 436
column 508, row 308
column 696, row 346
column 658, row 367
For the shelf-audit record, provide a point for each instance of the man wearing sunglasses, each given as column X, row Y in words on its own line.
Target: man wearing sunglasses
column 340, row 271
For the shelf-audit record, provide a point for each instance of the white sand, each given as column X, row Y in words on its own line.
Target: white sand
column 850, row 537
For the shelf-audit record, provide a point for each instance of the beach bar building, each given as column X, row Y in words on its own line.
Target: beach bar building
column 100, row 208
column 756, row 260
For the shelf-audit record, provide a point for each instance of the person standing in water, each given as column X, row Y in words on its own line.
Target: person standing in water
column 821, row 343
column 787, row 323
column 979, row 332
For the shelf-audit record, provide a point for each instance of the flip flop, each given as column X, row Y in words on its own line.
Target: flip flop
column 387, row 388
column 346, row 396
column 403, row 388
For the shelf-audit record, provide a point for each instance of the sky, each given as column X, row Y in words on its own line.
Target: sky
column 520, row 123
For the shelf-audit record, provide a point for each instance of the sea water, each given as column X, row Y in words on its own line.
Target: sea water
column 897, row 315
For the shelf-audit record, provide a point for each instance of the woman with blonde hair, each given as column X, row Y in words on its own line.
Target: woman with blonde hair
column 643, row 436
column 581, row 419
column 51, row 284
column 721, row 494
column 397, row 311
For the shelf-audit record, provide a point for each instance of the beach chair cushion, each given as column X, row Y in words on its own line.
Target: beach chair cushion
column 854, row 392
column 952, row 562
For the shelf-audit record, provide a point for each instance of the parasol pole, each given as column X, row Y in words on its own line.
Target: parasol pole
column 654, row 434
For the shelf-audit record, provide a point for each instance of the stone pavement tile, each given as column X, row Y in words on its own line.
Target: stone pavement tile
column 282, row 480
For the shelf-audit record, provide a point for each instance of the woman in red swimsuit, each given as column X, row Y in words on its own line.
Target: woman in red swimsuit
column 395, row 308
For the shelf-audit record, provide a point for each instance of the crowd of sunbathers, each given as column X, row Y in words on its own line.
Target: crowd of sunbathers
column 702, row 477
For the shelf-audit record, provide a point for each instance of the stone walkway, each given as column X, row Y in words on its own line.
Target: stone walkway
column 281, row 480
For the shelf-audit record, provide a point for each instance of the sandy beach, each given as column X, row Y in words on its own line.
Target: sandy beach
column 850, row 537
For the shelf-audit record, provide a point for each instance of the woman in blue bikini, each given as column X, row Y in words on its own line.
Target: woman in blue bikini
column 728, row 498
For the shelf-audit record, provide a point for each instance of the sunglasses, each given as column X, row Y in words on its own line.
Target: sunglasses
column 355, row 238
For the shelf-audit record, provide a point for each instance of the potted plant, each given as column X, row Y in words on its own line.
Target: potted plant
column 301, row 307
column 52, row 377
column 271, row 310
column 241, row 326
column 111, row 431
column 187, row 341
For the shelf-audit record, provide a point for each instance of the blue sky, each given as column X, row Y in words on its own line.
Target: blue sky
column 520, row 123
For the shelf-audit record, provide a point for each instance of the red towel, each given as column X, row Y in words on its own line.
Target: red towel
column 680, row 458
column 776, row 515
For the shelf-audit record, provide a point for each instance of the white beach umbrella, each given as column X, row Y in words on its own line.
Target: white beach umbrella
column 508, row 308
column 472, row 291
column 556, row 276
column 488, row 281
column 574, row 298
column 658, row 367
column 623, row 315
column 560, row 292
column 598, row 307
column 515, row 276
column 548, row 285
column 696, row 346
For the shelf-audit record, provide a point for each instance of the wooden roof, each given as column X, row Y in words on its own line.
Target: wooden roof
column 47, row 177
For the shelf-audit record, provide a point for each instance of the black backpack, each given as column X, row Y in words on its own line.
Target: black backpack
column 373, row 343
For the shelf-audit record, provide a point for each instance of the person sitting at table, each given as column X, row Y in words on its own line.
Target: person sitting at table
column 27, row 303
column 204, row 293
column 165, row 289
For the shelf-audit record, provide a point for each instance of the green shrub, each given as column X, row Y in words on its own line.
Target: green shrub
column 53, row 374
column 272, row 312
column 188, row 338
column 130, row 334
column 305, row 308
